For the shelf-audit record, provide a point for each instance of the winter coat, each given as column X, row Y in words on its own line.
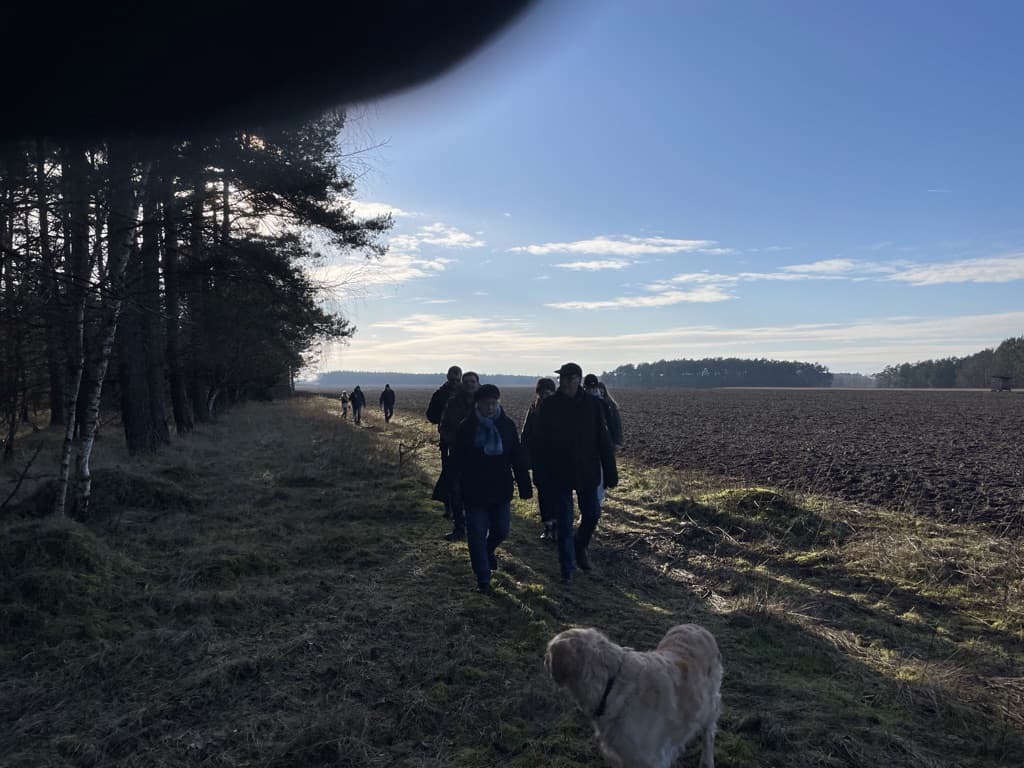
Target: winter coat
column 613, row 420
column 529, row 432
column 357, row 398
column 459, row 406
column 571, row 446
column 387, row 398
column 483, row 479
column 439, row 400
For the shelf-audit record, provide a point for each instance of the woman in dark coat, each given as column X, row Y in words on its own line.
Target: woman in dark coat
column 489, row 461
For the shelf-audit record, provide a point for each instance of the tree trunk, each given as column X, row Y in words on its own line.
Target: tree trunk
column 54, row 309
column 172, row 294
column 76, row 203
column 197, row 386
column 121, row 222
column 141, row 358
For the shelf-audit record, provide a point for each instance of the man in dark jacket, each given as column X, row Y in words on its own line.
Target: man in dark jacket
column 439, row 399
column 456, row 410
column 571, row 450
column 358, row 400
column 488, row 459
column 434, row 412
column 387, row 402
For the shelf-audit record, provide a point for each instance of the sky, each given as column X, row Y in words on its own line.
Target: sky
column 611, row 183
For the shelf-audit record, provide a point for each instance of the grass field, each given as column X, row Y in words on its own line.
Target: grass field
column 274, row 591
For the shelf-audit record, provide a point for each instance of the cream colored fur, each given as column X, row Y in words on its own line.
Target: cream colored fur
column 659, row 700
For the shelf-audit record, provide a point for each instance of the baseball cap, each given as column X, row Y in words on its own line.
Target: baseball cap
column 570, row 369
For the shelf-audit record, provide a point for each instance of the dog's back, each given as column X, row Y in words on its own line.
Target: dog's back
column 652, row 703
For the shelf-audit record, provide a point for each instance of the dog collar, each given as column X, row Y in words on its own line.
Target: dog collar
column 604, row 699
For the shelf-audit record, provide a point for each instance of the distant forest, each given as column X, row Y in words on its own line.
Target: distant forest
column 349, row 379
column 719, row 372
column 974, row 371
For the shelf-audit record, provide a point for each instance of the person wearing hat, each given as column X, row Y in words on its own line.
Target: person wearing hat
column 435, row 410
column 595, row 388
column 458, row 408
column 489, row 461
column 573, row 451
column 544, row 389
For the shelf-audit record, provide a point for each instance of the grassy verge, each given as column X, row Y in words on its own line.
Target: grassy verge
column 274, row 591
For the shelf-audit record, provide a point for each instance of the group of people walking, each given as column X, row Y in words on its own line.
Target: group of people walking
column 567, row 444
column 357, row 400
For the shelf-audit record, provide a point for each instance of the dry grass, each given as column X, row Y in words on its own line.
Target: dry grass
column 274, row 591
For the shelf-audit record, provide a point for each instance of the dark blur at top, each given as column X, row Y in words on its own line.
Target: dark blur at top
column 91, row 70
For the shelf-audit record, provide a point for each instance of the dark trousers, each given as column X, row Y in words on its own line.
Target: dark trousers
column 357, row 412
column 547, row 506
column 487, row 525
column 389, row 411
column 453, row 506
column 590, row 512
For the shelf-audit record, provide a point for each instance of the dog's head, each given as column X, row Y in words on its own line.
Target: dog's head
column 570, row 653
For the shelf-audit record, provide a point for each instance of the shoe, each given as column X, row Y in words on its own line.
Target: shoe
column 457, row 535
column 483, row 588
column 546, row 533
column 582, row 558
column 492, row 560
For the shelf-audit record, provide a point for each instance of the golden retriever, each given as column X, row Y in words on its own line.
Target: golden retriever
column 645, row 706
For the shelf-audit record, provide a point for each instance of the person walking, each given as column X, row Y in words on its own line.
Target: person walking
column 344, row 404
column 592, row 387
column 488, row 460
column 458, row 408
column 544, row 389
column 435, row 410
column 387, row 402
column 572, row 450
column 358, row 401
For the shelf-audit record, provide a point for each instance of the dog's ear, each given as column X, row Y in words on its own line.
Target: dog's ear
column 563, row 661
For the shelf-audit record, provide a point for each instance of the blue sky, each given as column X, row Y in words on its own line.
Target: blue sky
column 622, row 182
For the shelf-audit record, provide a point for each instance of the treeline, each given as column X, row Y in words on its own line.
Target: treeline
column 349, row 379
column 973, row 371
column 173, row 270
column 719, row 372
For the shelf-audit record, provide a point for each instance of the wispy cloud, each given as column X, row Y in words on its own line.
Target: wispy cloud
column 448, row 237
column 431, row 342
column 659, row 298
column 824, row 267
column 995, row 269
column 618, row 246
column 594, row 266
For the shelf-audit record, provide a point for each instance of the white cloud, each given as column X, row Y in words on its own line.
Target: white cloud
column 618, row 246
column 430, row 342
column 365, row 209
column 995, row 269
column 662, row 298
column 449, row 237
column 594, row 266
column 355, row 275
column 824, row 267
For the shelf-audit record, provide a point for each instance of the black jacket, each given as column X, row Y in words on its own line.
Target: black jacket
column 357, row 398
column 438, row 400
column 487, row 479
column 529, row 433
column 387, row 398
column 570, row 445
column 459, row 407
column 613, row 420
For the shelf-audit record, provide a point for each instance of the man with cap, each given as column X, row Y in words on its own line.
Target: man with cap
column 458, row 408
column 572, row 450
column 488, row 460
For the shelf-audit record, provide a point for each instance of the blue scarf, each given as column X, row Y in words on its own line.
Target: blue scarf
column 487, row 435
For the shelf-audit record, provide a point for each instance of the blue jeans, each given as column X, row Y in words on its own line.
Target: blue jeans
column 590, row 511
column 486, row 527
